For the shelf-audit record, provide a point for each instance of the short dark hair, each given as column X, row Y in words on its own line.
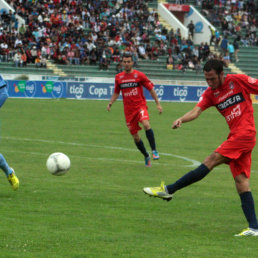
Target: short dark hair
column 127, row 54
column 213, row 64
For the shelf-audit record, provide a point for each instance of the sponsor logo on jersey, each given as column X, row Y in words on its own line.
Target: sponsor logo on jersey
column 231, row 85
column 226, row 95
column 216, row 93
column 232, row 100
column 235, row 112
column 132, row 92
column 129, row 85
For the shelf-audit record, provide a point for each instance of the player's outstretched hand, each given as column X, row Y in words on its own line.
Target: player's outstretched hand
column 109, row 106
column 176, row 124
column 160, row 109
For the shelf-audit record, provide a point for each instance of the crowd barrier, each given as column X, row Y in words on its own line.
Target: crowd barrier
column 97, row 91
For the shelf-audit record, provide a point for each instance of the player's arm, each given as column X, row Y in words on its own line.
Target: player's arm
column 155, row 97
column 3, row 91
column 187, row 117
column 112, row 100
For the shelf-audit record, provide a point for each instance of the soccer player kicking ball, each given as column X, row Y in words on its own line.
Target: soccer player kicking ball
column 9, row 172
column 131, row 82
column 231, row 96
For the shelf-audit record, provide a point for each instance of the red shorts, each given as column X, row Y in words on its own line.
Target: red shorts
column 132, row 120
column 239, row 150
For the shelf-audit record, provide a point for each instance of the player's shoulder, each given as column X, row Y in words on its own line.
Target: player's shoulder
column 138, row 72
column 207, row 91
column 235, row 77
column 120, row 75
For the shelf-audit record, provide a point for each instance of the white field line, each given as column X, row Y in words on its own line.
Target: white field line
column 193, row 162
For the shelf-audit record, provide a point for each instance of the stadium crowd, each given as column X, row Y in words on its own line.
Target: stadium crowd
column 99, row 31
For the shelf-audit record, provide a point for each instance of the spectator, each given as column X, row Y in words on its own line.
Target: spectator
column 76, row 56
column 142, row 52
column 236, row 47
column 23, row 58
column 4, row 52
column 125, row 25
column 226, row 59
column 231, row 51
column 17, row 59
column 212, row 38
column 43, row 62
column 93, row 57
column 116, row 55
column 34, row 53
column 191, row 28
column 70, row 56
column 224, row 44
column 149, row 51
column 197, row 65
column 103, row 62
column 206, row 50
column 154, row 52
column 38, row 62
column 119, row 67
column 245, row 41
column 135, row 57
column 196, row 52
column 170, row 62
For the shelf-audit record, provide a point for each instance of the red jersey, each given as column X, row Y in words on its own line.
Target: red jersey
column 232, row 100
column 131, row 85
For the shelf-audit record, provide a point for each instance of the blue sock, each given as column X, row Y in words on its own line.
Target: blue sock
column 4, row 166
column 150, row 136
column 189, row 178
column 141, row 148
column 247, row 202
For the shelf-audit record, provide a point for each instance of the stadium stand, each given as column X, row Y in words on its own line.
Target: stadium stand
column 78, row 38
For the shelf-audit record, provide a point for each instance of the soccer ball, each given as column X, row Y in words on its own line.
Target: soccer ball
column 58, row 163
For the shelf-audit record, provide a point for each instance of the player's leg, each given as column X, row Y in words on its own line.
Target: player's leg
column 150, row 136
column 199, row 173
column 144, row 119
column 9, row 172
column 191, row 177
column 241, row 172
column 133, row 127
column 4, row 165
column 140, row 145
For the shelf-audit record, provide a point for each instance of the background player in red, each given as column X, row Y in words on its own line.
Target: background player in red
column 131, row 82
column 231, row 96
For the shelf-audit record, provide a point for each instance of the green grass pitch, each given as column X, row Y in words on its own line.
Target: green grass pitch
column 98, row 208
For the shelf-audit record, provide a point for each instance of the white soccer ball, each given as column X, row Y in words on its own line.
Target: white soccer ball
column 58, row 163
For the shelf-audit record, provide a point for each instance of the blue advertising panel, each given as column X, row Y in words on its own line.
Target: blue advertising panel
column 81, row 90
column 104, row 91
column 36, row 89
column 177, row 93
column 93, row 90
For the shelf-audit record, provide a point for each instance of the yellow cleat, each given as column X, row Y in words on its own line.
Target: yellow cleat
column 13, row 180
column 248, row 232
column 158, row 192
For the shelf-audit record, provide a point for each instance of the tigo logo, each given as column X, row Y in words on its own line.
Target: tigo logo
column 53, row 88
column 20, row 86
